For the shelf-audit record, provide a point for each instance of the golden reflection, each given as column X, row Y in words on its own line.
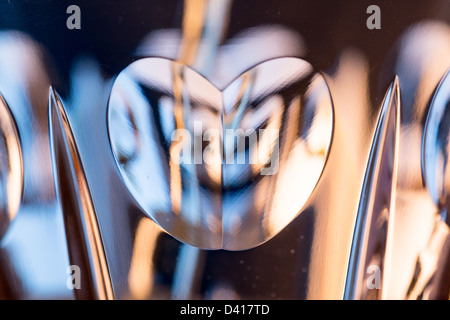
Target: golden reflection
column 317, row 141
column 83, row 223
column 336, row 201
column 283, row 186
column 265, row 149
column 303, row 159
column 283, row 118
column 288, row 194
column 175, row 173
column 141, row 275
column 193, row 24
column 418, row 238
column 175, row 182
column 233, row 117
column 428, row 263
column 208, row 197
column 11, row 168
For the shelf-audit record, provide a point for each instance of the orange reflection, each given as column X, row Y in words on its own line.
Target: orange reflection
column 336, row 201
column 141, row 275
column 193, row 23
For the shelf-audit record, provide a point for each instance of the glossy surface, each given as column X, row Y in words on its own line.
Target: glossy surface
column 234, row 181
column 435, row 150
column 376, row 207
column 419, row 235
column 436, row 146
column 311, row 257
column 85, row 246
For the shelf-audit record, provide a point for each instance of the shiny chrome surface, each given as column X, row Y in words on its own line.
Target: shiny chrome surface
column 374, row 197
column 435, row 151
column 84, row 242
column 377, row 203
column 226, row 201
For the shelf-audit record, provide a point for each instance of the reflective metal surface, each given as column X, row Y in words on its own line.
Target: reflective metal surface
column 374, row 218
column 210, row 196
column 93, row 175
column 435, row 150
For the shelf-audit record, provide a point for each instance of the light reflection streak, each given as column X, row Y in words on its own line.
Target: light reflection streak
column 374, row 220
column 188, row 268
column 336, row 201
column 11, row 168
column 85, row 245
column 142, row 271
column 427, row 46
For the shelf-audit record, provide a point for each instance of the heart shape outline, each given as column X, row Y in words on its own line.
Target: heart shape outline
column 149, row 78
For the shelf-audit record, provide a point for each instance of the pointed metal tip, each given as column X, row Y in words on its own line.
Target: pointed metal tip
column 52, row 114
column 55, row 106
column 396, row 89
column 76, row 202
column 396, row 85
column 396, row 80
column 392, row 100
column 52, row 94
column 377, row 195
column 52, row 102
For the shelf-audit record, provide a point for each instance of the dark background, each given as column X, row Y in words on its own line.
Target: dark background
column 111, row 30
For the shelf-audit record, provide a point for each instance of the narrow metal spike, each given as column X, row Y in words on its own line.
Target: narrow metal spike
column 82, row 232
column 375, row 212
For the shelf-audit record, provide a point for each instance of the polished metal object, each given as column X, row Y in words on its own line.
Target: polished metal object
column 225, row 192
column 84, row 241
column 91, row 165
column 376, row 207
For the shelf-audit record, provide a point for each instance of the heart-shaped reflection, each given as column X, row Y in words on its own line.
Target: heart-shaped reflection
column 221, row 168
